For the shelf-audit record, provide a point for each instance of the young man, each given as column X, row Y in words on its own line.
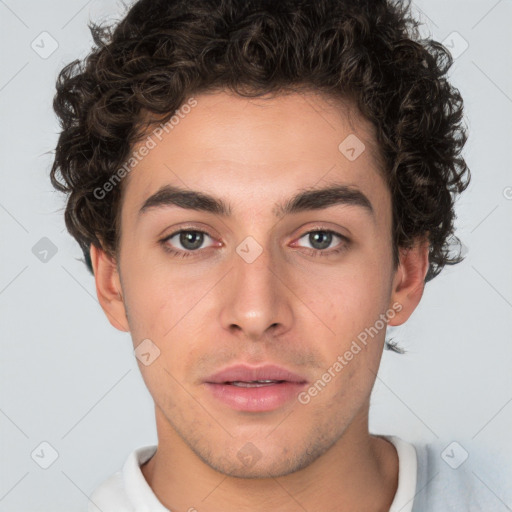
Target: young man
column 260, row 188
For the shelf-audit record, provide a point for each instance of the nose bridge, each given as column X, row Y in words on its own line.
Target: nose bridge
column 255, row 299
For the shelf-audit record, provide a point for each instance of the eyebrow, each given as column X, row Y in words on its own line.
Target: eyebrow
column 310, row 199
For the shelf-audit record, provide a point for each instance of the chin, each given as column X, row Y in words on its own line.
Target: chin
column 260, row 470
column 265, row 462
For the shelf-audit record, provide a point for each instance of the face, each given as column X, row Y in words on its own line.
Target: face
column 303, row 285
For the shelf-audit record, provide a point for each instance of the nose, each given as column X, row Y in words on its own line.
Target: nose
column 256, row 299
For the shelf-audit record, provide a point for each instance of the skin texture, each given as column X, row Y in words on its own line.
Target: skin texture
column 288, row 307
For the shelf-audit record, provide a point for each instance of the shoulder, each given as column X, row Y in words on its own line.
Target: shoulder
column 110, row 495
column 126, row 490
column 459, row 476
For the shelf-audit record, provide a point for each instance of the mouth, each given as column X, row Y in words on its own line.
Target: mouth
column 255, row 389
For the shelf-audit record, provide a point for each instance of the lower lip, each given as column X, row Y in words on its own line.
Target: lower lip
column 256, row 399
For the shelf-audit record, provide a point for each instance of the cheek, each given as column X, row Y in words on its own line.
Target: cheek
column 351, row 309
column 351, row 296
column 151, row 288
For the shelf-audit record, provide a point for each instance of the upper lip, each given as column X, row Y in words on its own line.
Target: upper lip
column 246, row 373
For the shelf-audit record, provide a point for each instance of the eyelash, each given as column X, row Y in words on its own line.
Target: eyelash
column 312, row 252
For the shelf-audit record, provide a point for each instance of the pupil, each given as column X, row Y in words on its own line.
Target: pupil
column 322, row 238
column 189, row 236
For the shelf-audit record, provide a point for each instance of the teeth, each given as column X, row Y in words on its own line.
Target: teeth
column 254, row 383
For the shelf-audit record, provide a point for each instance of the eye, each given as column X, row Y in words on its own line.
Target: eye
column 321, row 239
column 190, row 240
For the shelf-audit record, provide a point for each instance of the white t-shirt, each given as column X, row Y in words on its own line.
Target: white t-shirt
column 426, row 483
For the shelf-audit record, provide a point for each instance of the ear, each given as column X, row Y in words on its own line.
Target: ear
column 108, row 286
column 409, row 280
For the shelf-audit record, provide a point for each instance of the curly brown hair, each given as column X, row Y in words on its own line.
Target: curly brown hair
column 164, row 51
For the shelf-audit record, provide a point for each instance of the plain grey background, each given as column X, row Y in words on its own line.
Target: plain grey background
column 70, row 380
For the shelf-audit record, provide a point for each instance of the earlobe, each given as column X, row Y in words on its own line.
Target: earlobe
column 409, row 281
column 108, row 286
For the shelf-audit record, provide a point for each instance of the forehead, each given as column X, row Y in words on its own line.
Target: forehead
column 242, row 148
